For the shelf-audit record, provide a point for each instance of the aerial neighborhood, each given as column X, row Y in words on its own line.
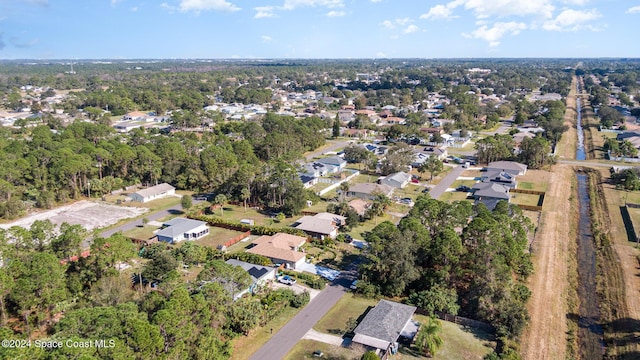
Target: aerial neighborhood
column 391, row 209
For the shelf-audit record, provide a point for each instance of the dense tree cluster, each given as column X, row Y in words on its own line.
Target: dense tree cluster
column 51, row 296
column 452, row 256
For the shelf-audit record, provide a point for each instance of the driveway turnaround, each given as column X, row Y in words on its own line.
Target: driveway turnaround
column 445, row 183
column 285, row 339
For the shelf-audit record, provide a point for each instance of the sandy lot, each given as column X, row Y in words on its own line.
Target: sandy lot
column 89, row 214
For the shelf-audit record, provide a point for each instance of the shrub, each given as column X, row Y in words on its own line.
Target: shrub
column 370, row 355
column 300, row 300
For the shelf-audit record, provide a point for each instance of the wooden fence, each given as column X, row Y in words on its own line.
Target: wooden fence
column 632, row 232
column 235, row 240
column 530, row 192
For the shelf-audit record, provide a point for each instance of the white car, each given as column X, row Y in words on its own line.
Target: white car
column 288, row 280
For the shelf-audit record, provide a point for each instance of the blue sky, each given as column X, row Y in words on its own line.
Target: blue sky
column 125, row 29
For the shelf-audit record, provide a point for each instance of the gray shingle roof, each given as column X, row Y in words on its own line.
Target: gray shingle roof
column 256, row 271
column 385, row 321
column 179, row 226
column 155, row 190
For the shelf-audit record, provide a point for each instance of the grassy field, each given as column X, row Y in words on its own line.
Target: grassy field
column 245, row 346
column 141, row 232
column 304, row 350
column 525, row 199
column 217, row 236
column 237, row 213
column 537, row 180
column 459, row 343
column 451, row 196
column 349, row 306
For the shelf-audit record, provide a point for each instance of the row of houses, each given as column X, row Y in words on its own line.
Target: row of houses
column 496, row 182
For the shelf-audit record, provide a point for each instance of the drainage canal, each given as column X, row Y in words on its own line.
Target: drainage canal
column 590, row 335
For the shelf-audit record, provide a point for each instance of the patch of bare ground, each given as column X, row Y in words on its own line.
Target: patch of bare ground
column 545, row 335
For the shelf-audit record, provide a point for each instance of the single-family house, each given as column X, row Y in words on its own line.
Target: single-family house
column 385, row 324
column 632, row 137
column 397, row 180
column 179, row 229
column 376, row 149
column 260, row 275
column 336, row 162
column 152, row 193
column 369, row 191
column 281, row 248
column 438, row 153
column 308, row 181
column 321, row 226
column 316, row 169
column 489, row 193
column 511, row 167
column 499, row 177
column 418, row 159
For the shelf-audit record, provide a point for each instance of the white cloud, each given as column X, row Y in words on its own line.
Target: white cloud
column 381, row 55
column 411, row 29
column 334, row 13
column 264, row 12
column 494, row 34
column 634, row 10
column 134, row 9
column 498, row 8
column 572, row 20
column 331, row 4
column 388, row 24
column 576, row 2
column 114, row 2
column 201, row 5
column 438, row 12
column 375, row 1
column 392, row 24
column 266, row 38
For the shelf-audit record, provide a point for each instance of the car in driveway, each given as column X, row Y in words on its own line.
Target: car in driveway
column 287, row 280
column 463, row 188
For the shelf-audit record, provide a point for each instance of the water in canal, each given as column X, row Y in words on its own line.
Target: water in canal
column 590, row 335
column 580, row 153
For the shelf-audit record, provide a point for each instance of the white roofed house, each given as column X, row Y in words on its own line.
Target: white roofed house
column 152, row 193
column 321, row 225
column 397, row 180
column 510, row 167
column 180, row 229
column 336, row 162
column 369, row 191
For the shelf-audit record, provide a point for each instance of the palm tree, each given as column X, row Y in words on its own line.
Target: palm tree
column 220, row 199
column 344, row 188
column 428, row 339
column 245, row 194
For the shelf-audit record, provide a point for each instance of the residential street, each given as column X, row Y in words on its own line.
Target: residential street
column 445, row 183
column 335, row 145
column 285, row 339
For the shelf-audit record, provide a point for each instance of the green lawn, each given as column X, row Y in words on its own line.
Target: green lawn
column 635, row 217
column 349, row 306
column 459, row 343
column 141, row 232
column 217, row 236
column 529, row 185
column 451, row 196
column 304, row 350
column 458, row 183
column 525, row 199
column 237, row 213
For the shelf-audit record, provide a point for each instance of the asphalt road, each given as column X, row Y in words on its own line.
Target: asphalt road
column 445, row 183
column 593, row 164
column 335, row 145
column 285, row 339
column 133, row 224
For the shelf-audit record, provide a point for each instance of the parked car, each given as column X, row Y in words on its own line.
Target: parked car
column 463, row 188
column 354, row 285
column 406, row 201
column 288, row 280
column 318, row 353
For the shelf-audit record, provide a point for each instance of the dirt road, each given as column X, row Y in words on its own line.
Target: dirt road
column 545, row 336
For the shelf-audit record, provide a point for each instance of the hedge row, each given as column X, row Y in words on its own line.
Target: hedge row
column 255, row 229
column 313, row 281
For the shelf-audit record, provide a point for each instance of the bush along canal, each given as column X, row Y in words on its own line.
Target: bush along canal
column 590, row 333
